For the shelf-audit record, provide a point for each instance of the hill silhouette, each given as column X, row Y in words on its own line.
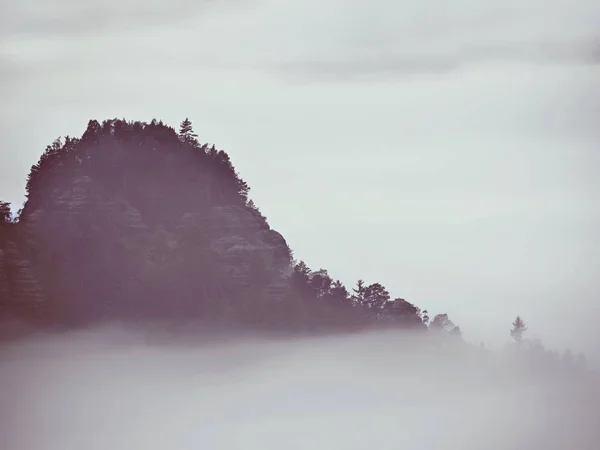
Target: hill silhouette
column 138, row 221
column 138, row 227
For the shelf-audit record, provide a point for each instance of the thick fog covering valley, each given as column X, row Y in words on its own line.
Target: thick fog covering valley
column 115, row 388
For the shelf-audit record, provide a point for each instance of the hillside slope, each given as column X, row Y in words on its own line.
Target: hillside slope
column 137, row 221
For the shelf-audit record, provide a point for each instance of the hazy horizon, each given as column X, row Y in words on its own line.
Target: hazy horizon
column 119, row 389
column 449, row 152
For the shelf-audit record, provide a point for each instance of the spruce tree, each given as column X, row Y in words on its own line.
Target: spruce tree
column 186, row 133
column 518, row 328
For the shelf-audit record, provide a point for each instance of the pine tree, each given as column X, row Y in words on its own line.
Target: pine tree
column 186, row 133
column 373, row 296
column 359, row 293
column 518, row 328
column 5, row 213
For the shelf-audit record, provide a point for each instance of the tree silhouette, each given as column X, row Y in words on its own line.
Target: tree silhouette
column 5, row 213
column 441, row 322
column 338, row 293
column 186, row 133
column 424, row 315
column 401, row 311
column 373, row 296
column 518, row 328
column 358, row 293
column 321, row 283
column 376, row 296
column 456, row 331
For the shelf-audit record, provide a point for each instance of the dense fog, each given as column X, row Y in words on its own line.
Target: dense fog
column 121, row 390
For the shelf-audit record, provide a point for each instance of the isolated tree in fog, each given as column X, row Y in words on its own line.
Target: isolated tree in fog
column 518, row 329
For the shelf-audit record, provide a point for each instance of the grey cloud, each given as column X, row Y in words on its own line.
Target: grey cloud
column 73, row 18
column 8, row 71
column 379, row 63
column 314, row 39
column 11, row 72
column 371, row 39
column 42, row 39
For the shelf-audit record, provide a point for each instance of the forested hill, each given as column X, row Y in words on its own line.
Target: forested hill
column 136, row 221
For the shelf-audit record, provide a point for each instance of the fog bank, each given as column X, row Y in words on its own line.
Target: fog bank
column 115, row 389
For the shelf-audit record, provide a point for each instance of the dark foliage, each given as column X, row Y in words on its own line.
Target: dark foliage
column 158, row 265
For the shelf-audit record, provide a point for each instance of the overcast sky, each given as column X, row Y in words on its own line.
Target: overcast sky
column 448, row 150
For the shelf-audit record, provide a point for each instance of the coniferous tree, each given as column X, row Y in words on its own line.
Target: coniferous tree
column 518, row 329
column 186, row 133
column 373, row 296
column 358, row 293
column 5, row 213
column 301, row 279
